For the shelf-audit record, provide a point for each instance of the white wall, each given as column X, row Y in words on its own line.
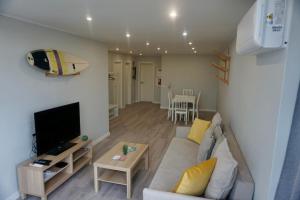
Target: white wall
column 25, row 90
column 250, row 104
column 190, row 71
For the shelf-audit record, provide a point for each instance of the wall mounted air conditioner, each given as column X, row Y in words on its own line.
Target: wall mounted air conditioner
column 262, row 28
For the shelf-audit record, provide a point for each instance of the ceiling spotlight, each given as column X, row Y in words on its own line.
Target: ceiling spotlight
column 89, row 18
column 173, row 14
column 166, row 51
column 140, row 54
column 130, row 52
column 193, row 48
column 184, row 33
column 158, row 48
column 147, row 43
column 195, row 51
column 128, row 35
column 117, row 49
column 190, row 43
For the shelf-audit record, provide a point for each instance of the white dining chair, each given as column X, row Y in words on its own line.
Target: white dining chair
column 189, row 92
column 181, row 109
column 170, row 106
column 196, row 110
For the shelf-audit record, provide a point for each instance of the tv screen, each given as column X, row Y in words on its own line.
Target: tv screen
column 56, row 127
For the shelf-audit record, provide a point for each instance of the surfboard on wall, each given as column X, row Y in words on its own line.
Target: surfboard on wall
column 56, row 62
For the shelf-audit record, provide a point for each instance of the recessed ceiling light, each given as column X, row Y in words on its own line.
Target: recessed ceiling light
column 147, row 43
column 195, row 51
column 190, row 43
column 184, row 33
column 140, row 54
column 193, row 48
column 128, row 35
column 117, row 49
column 89, row 18
column 158, row 48
column 130, row 52
column 166, row 51
column 173, row 14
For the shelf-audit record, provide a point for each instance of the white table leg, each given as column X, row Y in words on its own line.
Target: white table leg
column 172, row 112
column 193, row 111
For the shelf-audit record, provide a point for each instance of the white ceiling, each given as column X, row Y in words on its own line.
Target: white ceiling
column 211, row 24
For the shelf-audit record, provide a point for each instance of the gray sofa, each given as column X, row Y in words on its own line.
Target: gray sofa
column 181, row 154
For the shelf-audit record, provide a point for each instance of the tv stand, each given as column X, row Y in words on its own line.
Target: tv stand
column 41, row 181
column 61, row 148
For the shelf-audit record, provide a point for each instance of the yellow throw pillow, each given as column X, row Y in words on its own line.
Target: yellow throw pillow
column 198, row 130
column 195, row 179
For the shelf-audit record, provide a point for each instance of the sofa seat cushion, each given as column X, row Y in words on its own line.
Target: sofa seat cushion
column 181, row 154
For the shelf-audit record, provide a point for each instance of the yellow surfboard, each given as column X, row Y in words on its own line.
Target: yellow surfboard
column 56, row 62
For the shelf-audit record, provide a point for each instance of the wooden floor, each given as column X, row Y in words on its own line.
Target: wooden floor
column 140, row 123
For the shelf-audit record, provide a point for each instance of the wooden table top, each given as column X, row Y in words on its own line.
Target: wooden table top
column 132, row 158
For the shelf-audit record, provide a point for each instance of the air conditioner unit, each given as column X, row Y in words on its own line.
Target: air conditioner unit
column 262, row 28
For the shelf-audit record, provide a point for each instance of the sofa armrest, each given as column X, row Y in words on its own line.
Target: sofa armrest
column 182, row 131
column 149, row 194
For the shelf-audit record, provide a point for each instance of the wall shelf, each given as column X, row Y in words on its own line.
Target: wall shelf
column 222, row 67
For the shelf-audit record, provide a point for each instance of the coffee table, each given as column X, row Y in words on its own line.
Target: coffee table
column 120, row 172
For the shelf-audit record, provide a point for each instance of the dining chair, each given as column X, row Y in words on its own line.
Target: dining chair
column 196, row 110
column 189, row 92
column 181, row 109
column 170, row 106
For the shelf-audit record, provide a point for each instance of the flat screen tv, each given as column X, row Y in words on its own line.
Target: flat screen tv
column 56, row 127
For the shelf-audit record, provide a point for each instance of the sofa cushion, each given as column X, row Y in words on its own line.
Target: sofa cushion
column 195, row 179
column 206, row 146
column 224, row 173
column 219, row 138
column 181, row 154
column 216, row 120
column 198, row 130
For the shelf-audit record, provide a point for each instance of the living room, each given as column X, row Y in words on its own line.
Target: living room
column 254, row 97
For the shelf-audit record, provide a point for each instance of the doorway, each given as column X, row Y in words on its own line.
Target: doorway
column 146, row 81
column 127, row 83
column 118, row 84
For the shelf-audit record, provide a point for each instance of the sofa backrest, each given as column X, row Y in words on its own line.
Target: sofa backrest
column 243, row 189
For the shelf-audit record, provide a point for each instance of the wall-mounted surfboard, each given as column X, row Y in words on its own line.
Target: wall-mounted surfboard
column 56, row 62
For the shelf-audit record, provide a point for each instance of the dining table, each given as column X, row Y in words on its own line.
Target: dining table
column 183, row 98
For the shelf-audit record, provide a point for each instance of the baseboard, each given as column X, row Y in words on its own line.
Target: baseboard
column 156, row 102
column 14, row 196
column 163, row 107
column 200, row 110
column 100, row 139
column 207, row 110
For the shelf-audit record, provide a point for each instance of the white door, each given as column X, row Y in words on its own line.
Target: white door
column 146, row 81
column 127, row 82
column 118, row 83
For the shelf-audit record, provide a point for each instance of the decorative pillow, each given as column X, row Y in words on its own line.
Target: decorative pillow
column 218, row 134
column 224, row 174
column 195, row 179
column 206, row 146
column 216, row 120
column 198, row 130
column 218, row 131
